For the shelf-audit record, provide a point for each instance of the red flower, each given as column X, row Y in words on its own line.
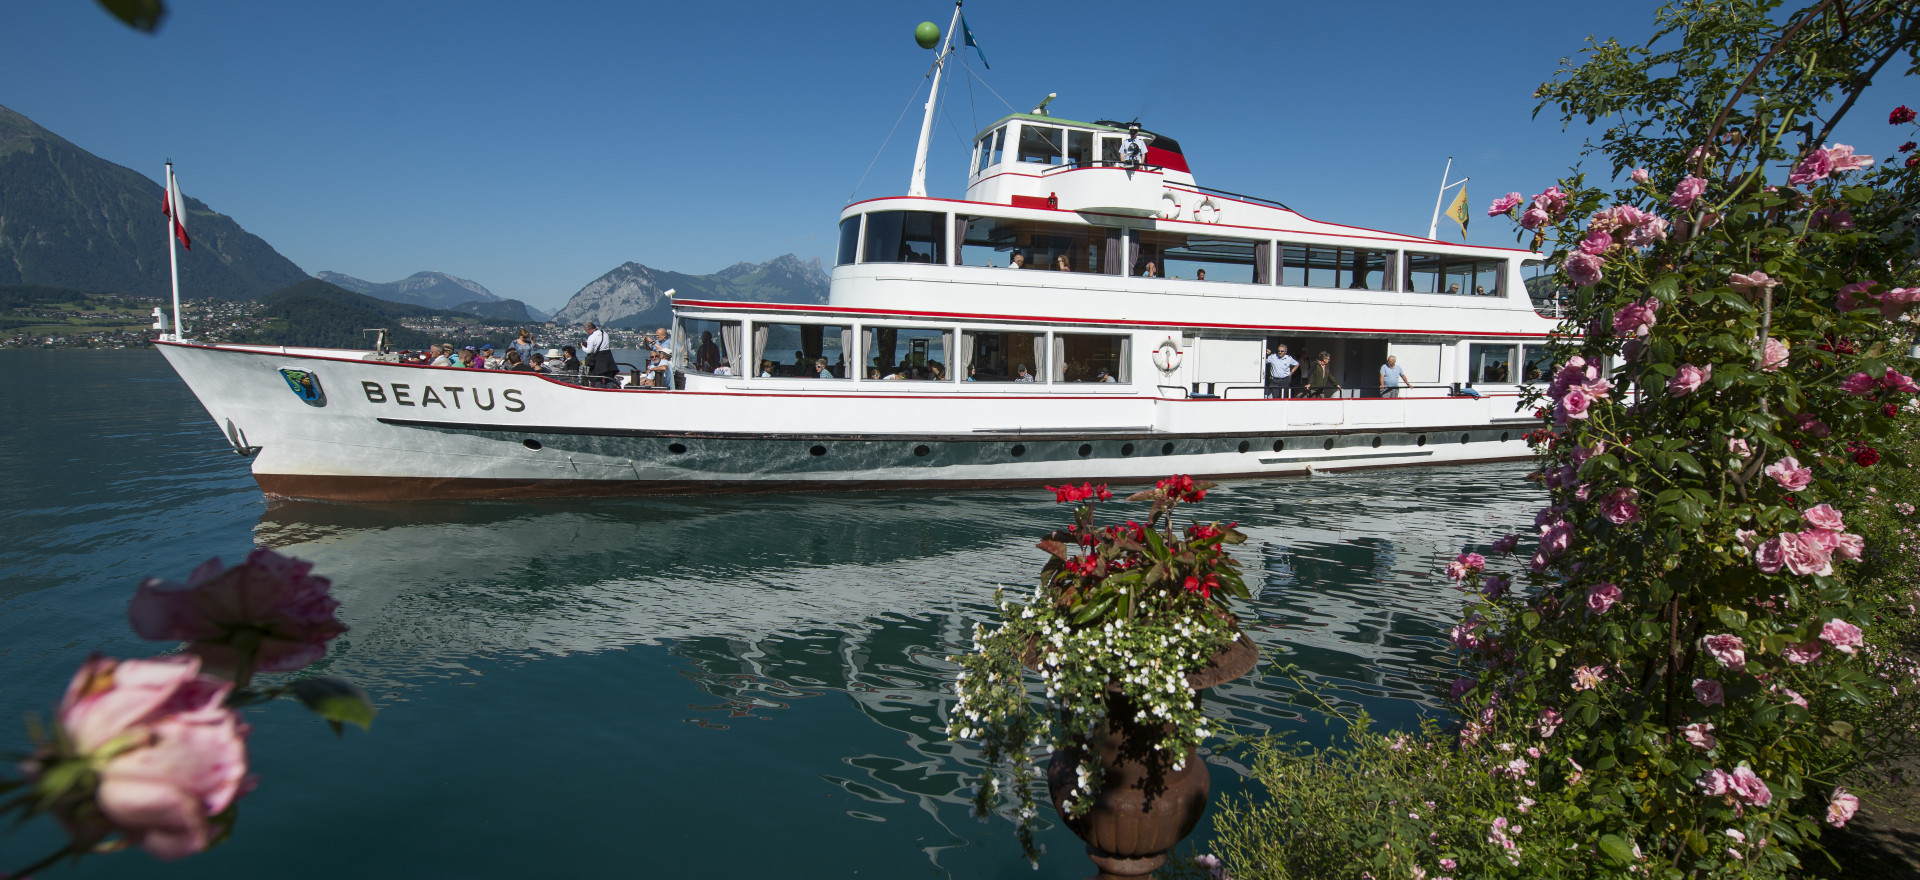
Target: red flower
column 1907, row 146
column 1912, row 161
column 1900, row 115
column 1863, row 455
column 1180, row 487
column 1203, row 586
column 1890, row 410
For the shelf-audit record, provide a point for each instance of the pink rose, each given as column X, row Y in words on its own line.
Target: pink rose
column 1601, row 597
column 174, row 754
column 1620, row 508
column 1583, row 268
column 1505, row 545
column 1553, row 201
column 1789, row 474
column 1860, row 384
column 1688, row 190
column 1497, row 585
column 1739, row 447
column 1555, row 537
column 1699, row 735
column 1806, row 422
column 1754, row 283
column 1533, row 218
column 1464, row 635
column 270, row 597
column 1596, row 242
column 1897, row 301
column 1770, row 556
column 1823, row 516
column 1848, row 547
column 1503, row 204
column 1750, row 788
column 1461, row 686
column 1640, row 175
column 1842, row 158
column 1843, row 636
column 1636, row 319
column 1709, row 692
column 1573, row 405
column 1728, row 649
column 1841, row 808
column 1773, row 355
column 1652, row 229
column 1806, row 553
column 1586, row 678
column 1894, row 380
column 1802, row 654
column 1688, row 379
column 1549, row 722
column 1815, row 167
column 1792, row 695
column 1716, row 782
column 1857, row 295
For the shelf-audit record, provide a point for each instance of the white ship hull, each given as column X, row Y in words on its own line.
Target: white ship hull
column 385, row 431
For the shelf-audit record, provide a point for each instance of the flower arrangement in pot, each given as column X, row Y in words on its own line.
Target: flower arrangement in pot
column 1128, row 623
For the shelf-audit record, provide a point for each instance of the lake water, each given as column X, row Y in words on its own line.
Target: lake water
column 706, row 686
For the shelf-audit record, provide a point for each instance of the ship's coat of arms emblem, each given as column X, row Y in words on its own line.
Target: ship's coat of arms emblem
column 305, row 385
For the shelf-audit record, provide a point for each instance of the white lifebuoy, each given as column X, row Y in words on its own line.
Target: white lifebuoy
column 1167, row 356
column 1208, row 211
column 1169, row 206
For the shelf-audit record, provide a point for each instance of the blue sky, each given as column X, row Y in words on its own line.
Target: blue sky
column 533, row 147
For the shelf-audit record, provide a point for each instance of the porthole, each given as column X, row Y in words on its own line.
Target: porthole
column 1463, row 439
column 677, row 448
column 1018, row 450
column 1244, row 446
column 1504, row 435
column 1328, row 444
column 1422, row 441
column 1166, row 449
column 1279, row 445
column 1126, row 449
column 921, row 450
column 1086, row 449
column 531, row 443
column 818, row 450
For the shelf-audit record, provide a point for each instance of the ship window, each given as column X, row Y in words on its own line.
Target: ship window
column 992, row 241
column 907, row 353
column 1461, row 276
column 793, row 351
column 1333, row 267
column 1110, row 151
column 1179, row 255
column 992, row 144
column 996, row 356
column 1083, row 357
column 1040, row 144
column 710, row 345
column 1491, row 364
column 1079, row 148
column 849, row 241
column 1535, row 365
column 906, row 237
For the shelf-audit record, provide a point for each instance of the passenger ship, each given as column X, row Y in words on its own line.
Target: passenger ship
column 1088, row 312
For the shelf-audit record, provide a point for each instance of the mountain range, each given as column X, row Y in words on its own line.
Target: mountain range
column 71, row 219
column 633, row 295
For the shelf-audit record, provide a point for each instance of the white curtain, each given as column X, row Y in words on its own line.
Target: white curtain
column 1040, row 353
column 865, row 359
column 846, row 353
column 965, row 361
column 1126, row 360
column 730, row 345
column 1059, row 372
column 759, row 348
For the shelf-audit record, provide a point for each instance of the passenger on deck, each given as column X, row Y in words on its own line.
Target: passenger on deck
column 1201, row 275
column 1320, row 381
column 1152, row 271
column 537, row 362
column 514, row 362
column 1453, row 289
column 442, row 357
column 1279, row 372
column 1392, row 378
column 489, row 360
column 569, row 361
column 523, row 345
column 662, row 340
column 1017, row 261
column 1021, row 374
column 766, row 369
column 1060, row 264
column 658, row 365
column 820, row 369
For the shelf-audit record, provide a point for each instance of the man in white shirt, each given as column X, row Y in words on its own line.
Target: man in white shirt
column 1280, row 367
column 441, row 357
column 594, row 354
column 1392, row 378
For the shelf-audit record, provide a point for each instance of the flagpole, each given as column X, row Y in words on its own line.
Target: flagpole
column 918, row 185
column 1433, row 229
column 173, row 250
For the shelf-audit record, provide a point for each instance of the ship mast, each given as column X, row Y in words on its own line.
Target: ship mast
column 918, row 186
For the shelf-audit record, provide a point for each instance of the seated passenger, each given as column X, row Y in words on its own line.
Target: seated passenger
column 569, row 360
column 722, row 369
column 1017, row 261
column 537, row 362
column 442, row 356
column 873, row 373
column 1021, row 374
column 820, row 369
column 515, row 364
column 971, row 370
column 1152, row 271
column 1060, row 264
column 1200, row 275
column 936, row 371
column 800, row 365
column 766, row 369
column 1103, row 376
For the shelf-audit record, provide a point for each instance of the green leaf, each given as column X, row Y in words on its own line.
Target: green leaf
column 1732, row 617
column 1858, row 195
column 1689, row 464
column 141, row 15
column 336, row 700
column 1617, row 848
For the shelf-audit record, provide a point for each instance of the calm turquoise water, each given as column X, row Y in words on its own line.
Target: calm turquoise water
column 711, row 686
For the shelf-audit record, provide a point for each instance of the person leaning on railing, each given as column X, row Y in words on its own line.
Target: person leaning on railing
column 1320, row 381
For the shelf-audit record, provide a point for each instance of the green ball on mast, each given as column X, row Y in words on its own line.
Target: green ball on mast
column 927, row 34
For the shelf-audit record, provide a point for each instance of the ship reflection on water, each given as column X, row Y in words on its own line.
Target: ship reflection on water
column 769, row 604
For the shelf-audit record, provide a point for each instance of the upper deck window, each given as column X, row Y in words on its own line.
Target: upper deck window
column 1041, row 144
column 906, row 237
column 849, row 241
column 1079, row 148
column 1460, row 276
column 991, row 146
column 993, row 241
column 1199, row 257
column 1334, row 267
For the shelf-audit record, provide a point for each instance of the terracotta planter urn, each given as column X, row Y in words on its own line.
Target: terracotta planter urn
column 1144, row 807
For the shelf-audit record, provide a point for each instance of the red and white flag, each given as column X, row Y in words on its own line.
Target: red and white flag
column 176, row 209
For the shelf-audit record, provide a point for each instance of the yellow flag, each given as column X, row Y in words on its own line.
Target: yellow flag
column 1458, row 211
